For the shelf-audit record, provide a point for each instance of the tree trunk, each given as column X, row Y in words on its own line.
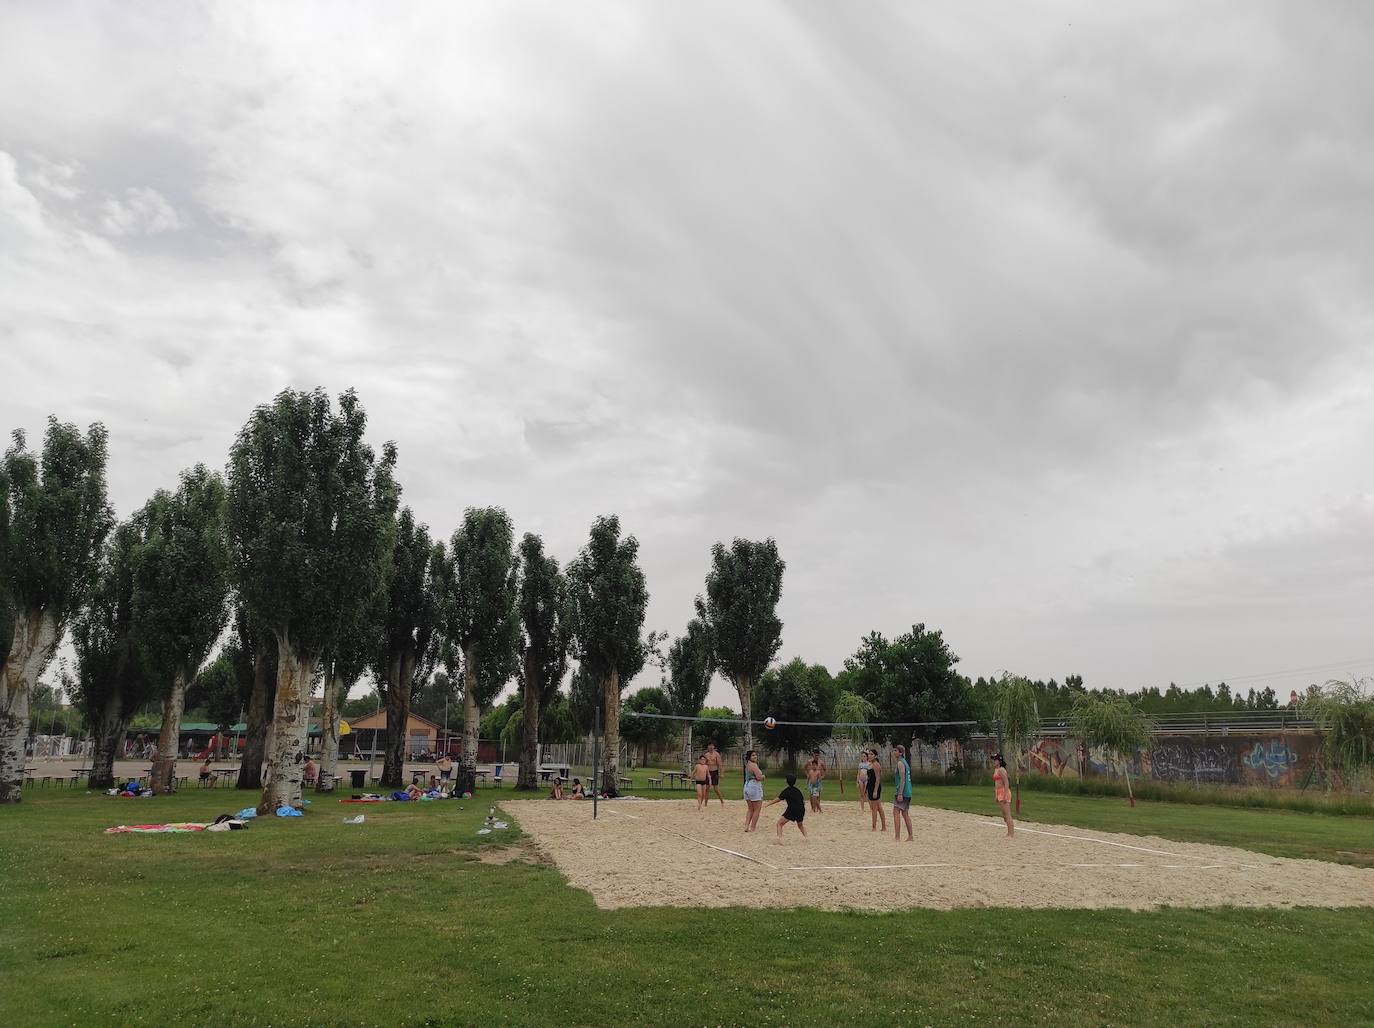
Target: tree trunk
column 397, row 714
column 467, row 766
column 107, row 739
column 529, row 749
column 610, row 770
column 35, row 639
column 286, row 738
column 745, row 688
column 168, row 739
column 260, row 706
column 687, row 761
column 329, row 733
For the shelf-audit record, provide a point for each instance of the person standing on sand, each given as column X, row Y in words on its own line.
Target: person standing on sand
column 815, row 774
column 861, row 779
column 1001, row 791
column 701, row 778
column 753, row 791
column 875, row 790
column 713, row 765
column 901, row 801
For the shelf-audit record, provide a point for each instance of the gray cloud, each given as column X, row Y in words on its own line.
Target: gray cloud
column 1048, row 325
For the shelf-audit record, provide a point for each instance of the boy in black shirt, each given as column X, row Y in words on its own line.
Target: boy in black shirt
column 796, row 807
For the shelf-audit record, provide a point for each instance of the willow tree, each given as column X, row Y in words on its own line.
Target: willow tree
column 609, row 599
column 409, row 620
column 111, row 683
column 1344, row 714
column 1018, row 720
column 53, row 521
column 690, row 665
column 1114, row 723
column 741, row 610
column 481, row 620
column 546, row 622
column 308, row 515
column 180, row 595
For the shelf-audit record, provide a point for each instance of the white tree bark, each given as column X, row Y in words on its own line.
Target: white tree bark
column 745, row 688
column 467, row 773
column 286, row 737
column 329, row 733
column 35, row 640
column 610, row 765
column 165, row 771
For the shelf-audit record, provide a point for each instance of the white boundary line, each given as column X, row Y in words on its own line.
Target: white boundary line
column 1089, row 838
column 975, row 867
column 702, row 842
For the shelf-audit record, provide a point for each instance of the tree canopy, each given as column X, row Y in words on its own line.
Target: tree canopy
column 690, row 666
column 910, row 679
column 740, row 611
column 645, row 732
column 609, row 600
column 797, row 691
column 308, row 508
column 53, row 519
column 481, row 617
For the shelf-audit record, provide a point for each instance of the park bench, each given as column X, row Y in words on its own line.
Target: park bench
column 657, row 783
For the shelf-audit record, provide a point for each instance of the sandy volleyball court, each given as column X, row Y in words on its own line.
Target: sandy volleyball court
column 665, row 853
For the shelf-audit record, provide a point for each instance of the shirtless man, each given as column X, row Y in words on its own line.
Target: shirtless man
column 713, row 765
column 815, row 774
column 445, row 766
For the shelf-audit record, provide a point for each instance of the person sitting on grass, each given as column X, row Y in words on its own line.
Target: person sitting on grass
column 796, row 807
column 414, row 791
column 557, row 792
column 207, row 780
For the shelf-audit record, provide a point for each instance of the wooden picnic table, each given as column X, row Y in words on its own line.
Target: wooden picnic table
column 674, row 777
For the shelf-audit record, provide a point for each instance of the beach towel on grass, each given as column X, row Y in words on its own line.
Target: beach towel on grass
column 175, row 826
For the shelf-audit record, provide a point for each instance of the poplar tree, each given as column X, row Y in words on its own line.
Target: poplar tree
column 309, row 509
column 53, row 520
column 690, row 666
column 740, row 609
column 180, row 597
column 609, row 601
column 410, row 615
column 546, row 621
column 482, row 623
column 111, row 682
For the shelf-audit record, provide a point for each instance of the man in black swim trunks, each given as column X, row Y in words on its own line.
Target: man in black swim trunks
column 713, row 766
column 796, row 807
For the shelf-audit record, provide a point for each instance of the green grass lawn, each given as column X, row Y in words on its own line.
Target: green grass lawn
column 399, row 921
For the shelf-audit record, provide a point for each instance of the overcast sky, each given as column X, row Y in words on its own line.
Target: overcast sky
column 1049, row 325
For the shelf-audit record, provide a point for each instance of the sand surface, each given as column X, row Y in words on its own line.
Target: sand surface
column 665, row 853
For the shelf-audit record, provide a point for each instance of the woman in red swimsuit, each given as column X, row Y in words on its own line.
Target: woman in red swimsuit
column 1001, row 792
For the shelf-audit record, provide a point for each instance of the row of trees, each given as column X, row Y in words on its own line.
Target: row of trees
column 300, row 564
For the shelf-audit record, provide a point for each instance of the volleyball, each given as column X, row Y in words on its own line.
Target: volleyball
column 768, row 722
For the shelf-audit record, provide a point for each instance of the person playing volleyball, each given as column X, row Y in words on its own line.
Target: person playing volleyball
column 701, row 778
column 796, row 807
column 875, row 790
column 1001, row 792
column 713, row 764
column 753, row 791
column 901, row 802
column 815, row 775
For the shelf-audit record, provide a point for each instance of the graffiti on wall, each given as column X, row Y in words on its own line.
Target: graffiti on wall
column 1179, row 760
column 1275, row 760
column 1241, row 759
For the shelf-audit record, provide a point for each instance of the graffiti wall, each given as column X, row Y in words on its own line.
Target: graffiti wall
column 1280, row 761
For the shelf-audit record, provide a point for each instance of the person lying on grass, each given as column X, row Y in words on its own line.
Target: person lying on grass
column 796, row 807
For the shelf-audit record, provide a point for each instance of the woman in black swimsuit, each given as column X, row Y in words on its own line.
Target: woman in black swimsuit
column 875, row 790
